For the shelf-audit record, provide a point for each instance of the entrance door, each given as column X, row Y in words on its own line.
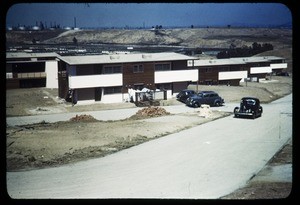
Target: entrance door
column 98, row 94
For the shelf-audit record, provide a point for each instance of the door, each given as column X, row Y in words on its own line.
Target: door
column 98, row 94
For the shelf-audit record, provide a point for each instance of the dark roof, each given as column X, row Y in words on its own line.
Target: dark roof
column 207, row 92
column 250, row 98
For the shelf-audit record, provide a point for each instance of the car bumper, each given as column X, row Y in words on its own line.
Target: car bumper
column 244, row 113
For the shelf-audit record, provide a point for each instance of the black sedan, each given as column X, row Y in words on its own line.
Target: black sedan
column 249, row 107
column 184, row 94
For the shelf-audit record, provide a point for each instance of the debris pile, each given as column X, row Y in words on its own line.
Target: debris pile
column 205, row 111
column 150, row 112
column 82, row 118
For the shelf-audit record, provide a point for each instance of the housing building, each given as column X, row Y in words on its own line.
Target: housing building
column 26, row 70
column 232, row 71
column 107, row 78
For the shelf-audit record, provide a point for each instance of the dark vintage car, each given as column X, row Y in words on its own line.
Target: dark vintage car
column 184, row 94
column 205, row 97
column 249, row 107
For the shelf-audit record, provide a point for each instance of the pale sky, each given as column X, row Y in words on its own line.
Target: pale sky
column 149, row 14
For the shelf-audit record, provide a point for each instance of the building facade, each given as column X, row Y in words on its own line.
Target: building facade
column 26, row 70
column 232, row 71
column 107, row 78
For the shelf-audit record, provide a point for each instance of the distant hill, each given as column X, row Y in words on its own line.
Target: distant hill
column 197, row 37
column 211, row 38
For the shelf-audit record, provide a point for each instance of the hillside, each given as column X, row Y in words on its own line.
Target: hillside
column 197, row 37
column 153, row 40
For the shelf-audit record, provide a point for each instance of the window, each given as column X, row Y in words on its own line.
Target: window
column 112, row 69
column 138, row 68
column 207, row 70
column 97, row 69
column 224, row 68
column 165, row 86
column 112, row 90
column 162, row 66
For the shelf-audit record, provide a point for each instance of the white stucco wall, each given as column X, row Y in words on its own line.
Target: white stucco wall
column 112, row 98
column 90, row 81
column 233, row 75
column 278, row 65
column 175, row 76
column 51, row 69
column 256, row 70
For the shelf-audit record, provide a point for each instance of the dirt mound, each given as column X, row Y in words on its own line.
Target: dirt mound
column 84, row 117
column 149, row 112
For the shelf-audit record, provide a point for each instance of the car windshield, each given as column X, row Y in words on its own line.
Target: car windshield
column 248, row 102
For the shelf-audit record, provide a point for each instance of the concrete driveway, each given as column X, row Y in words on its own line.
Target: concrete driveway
column 204, row 162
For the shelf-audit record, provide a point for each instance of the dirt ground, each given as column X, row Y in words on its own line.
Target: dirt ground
column 53, row 144
column 42, row 145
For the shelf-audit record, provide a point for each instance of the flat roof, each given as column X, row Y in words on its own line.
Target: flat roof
column 30, row 55
column 124, row 58
column 234, row 61
column 210, row 62
column 254, row 59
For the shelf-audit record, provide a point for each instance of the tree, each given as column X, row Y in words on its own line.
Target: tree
column 42, row 26
column 232, row 46
column 75, row 40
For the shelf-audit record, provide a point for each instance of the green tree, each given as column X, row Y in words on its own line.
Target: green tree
column 75, row 40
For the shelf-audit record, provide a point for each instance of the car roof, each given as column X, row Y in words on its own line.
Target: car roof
column 188, row 90
column 250, row 98
column 207, row 92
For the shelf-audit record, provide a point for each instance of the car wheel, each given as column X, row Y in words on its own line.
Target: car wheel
column 217, row 104
column 236, row 109
column 196, row 105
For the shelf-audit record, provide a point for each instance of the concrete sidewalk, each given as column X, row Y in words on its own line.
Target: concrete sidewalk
column 104, row 115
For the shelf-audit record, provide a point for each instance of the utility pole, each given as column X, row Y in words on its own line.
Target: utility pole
column 197, row 76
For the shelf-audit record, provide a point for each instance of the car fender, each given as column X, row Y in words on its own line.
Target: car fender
column 236, row 109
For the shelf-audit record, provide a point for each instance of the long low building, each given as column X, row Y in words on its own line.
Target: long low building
column 26, row 70
column 107, row 78
column 232, row 71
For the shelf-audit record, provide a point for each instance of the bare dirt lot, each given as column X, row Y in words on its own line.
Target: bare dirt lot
column 83, row 137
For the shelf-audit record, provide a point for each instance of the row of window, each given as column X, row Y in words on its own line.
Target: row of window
column 139, row 68
column 158, row 67
column 220, row 69
column 112, row 90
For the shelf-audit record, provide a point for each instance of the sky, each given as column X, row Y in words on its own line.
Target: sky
column 148, row 14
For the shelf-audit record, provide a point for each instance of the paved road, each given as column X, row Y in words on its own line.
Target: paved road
column 204, row 162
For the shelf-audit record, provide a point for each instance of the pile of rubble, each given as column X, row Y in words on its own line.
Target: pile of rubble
column 150, row 112
column 82, row 118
